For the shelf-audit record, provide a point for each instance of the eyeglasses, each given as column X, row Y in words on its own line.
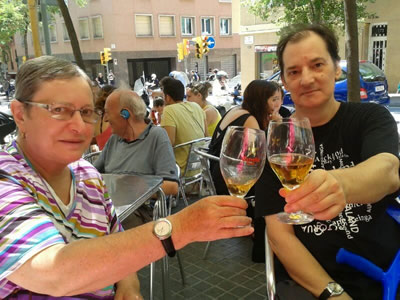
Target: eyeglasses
column 64, row 112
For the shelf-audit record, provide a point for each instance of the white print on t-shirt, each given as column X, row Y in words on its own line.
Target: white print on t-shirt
column 348, row 220
column 336, row 160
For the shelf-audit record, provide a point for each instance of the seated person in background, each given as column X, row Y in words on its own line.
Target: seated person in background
column 355, row 178
column 102, row 131
column 136, row 146
column 157, row 110
column 260, row 101
column 59, row 232
column 183, row 121
column 198, row 94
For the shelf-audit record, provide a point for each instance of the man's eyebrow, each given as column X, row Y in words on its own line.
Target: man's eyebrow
column 314, row 60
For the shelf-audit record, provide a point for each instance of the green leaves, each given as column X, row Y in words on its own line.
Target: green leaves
column 286, row 12
column 13, row 19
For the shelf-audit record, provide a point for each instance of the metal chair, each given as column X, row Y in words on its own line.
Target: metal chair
column 160, row 210
column 192, row 172
column 269, row 265
column 91, row 156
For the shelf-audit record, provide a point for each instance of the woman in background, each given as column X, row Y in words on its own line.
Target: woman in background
column 198, row 94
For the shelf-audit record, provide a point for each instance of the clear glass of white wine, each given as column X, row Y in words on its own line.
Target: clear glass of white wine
column 291, row 151
column 242, row 159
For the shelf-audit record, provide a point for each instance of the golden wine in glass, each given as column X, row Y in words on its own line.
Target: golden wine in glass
column 291, row 151
column 242, row 158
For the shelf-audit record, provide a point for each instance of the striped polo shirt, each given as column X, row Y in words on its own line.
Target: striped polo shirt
column 31, row 220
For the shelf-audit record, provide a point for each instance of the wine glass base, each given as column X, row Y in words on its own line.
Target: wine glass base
column 297, row 218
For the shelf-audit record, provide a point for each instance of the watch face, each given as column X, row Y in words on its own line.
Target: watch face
column 162, row 228
column 335, row 288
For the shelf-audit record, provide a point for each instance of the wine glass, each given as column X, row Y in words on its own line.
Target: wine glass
column 291, row 150
column 242, row 158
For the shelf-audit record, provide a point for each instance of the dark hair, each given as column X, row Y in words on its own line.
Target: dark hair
column 173, row 88
column 159, row 101
column 298, row 32
column 255, row 99
column 201, row 88
column 101, row 97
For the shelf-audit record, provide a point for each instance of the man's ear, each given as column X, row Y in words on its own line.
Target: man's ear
column 19, row 115
column 338, row 71
column 283, row 81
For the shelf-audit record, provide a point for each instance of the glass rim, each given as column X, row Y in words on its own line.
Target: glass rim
column 243, row 127
column 290, row 120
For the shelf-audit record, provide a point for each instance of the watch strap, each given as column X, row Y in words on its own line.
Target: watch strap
column 325, row 294
column 169, row 246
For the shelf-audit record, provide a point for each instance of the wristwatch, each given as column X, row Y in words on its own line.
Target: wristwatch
column 163, row 230
column 333, row 289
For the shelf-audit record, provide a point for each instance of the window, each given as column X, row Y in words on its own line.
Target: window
column 53, row 33
column 207, row 26
column 97, row 27
column 144, row 25
column 167, row 25
column 187, row 25
column 225, row 27
column 84, row 28
column 65, row 33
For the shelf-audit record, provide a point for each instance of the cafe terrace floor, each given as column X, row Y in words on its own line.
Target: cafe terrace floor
column 227, row 273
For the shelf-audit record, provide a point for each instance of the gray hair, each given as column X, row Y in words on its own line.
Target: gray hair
column 132, row 101
column 45, row 68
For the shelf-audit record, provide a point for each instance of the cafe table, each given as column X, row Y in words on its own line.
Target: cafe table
column 128, row 192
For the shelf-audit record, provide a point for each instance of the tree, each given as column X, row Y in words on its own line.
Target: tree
column 72, row 33
column 71, row 30
column 13, row 19
column 328, row 12
column 353, row 76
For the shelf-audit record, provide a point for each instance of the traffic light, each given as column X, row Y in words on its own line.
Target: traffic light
column 205, row 44
column 102, row 58
column 199, row 47
column 107, row 54
column 179, row 47
column 185, row 47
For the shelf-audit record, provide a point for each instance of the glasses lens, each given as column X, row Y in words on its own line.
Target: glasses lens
column 61, row 111
column 89, row 115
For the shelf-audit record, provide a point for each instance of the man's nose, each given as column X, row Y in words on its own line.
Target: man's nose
column 307, row 76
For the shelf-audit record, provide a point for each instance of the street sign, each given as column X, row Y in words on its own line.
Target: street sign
column 211, row 42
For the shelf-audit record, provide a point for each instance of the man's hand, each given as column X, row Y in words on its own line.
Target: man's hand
column 213, row 218
column 321, row 194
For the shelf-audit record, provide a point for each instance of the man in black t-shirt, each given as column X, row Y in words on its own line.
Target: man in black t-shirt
column 355, row 178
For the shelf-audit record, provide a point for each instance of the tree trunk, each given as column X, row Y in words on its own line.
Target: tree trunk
column 72, row 34
column 353, row 73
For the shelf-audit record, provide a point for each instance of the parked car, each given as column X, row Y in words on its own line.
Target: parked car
column 373, row 84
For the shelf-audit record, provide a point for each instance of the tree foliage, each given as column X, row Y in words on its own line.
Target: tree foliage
column 13, row 19
column 328, row 12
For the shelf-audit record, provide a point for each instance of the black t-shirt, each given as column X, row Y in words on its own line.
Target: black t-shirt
column 356, row 133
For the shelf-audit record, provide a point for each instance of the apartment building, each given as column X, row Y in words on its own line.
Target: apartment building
column 143, row 36
column 378, row 41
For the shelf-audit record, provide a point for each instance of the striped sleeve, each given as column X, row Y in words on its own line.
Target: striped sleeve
column 25, row 229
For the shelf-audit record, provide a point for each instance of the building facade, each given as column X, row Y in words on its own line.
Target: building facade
column 378, row 41
column 143, row 36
